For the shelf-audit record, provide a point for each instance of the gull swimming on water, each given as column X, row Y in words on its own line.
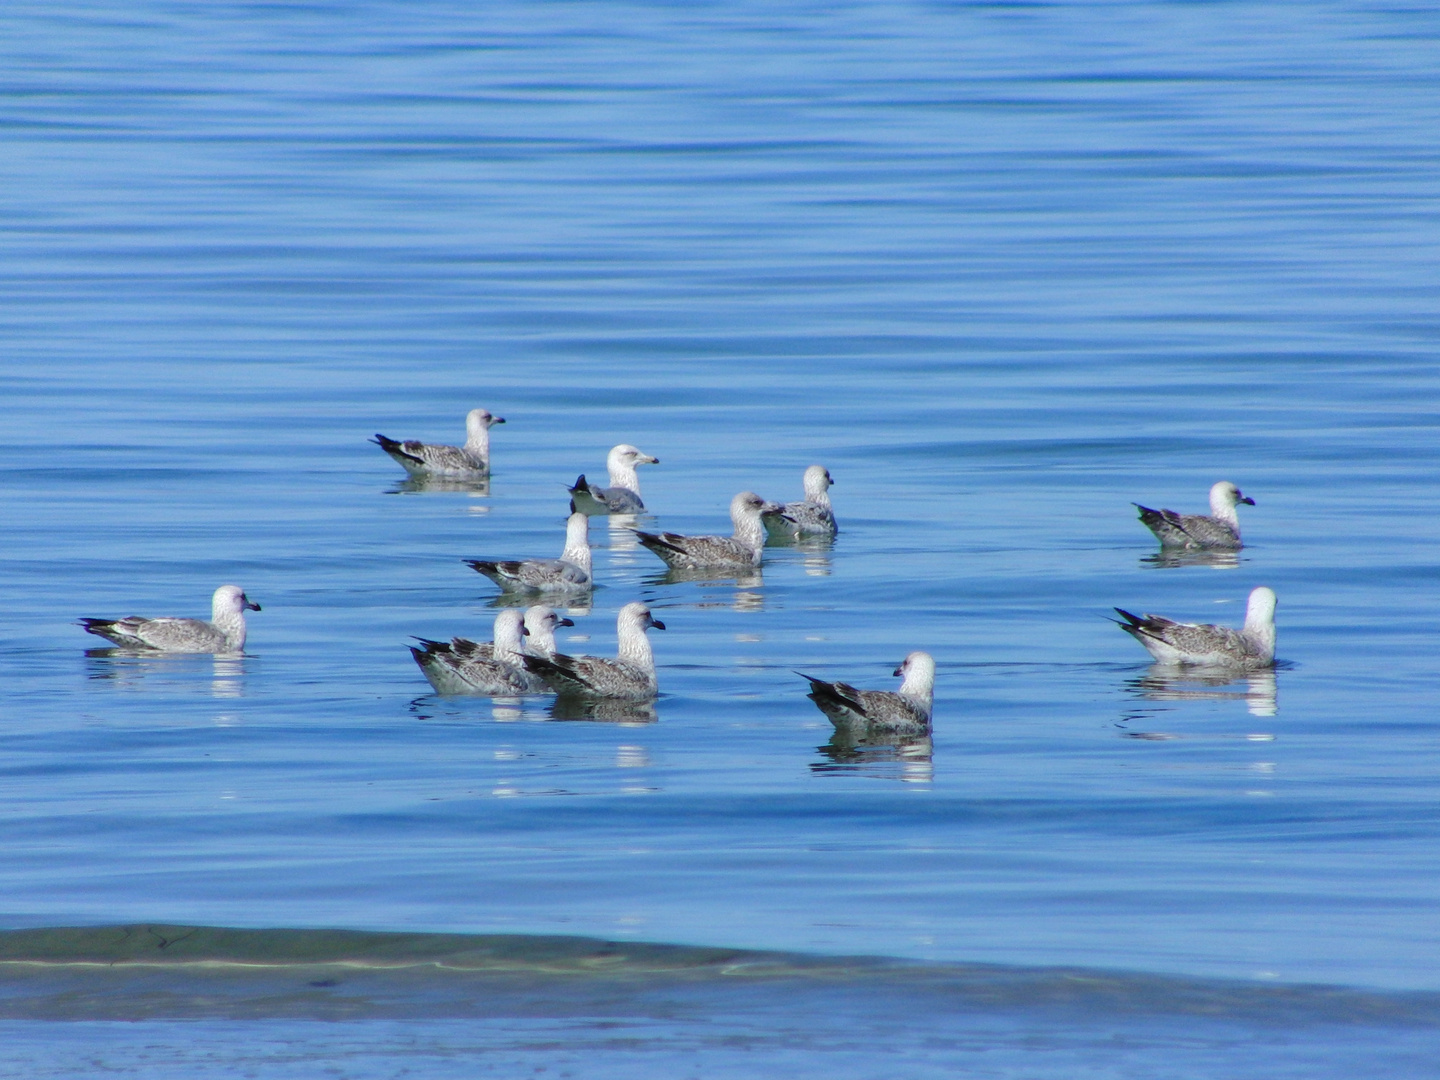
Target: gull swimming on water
column 810, row 517
column 1251, row 647
column 224, row 633
column 623, row 494
column 630, row 676
column 744, row 549
column 435, row 459
column 462, row 666
column 1217, row 531
column 569, row 573
column 907, row 710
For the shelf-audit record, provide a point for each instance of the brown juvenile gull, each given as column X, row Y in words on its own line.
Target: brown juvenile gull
column 569, row 573
column 1217, row 531
column 743, row 550
column 628, row 677
column 1203, row 644
column 224, row 633
column 623, row 494
column 907, row 710
column 810, row 517
column 462, row 666
column 435, row 459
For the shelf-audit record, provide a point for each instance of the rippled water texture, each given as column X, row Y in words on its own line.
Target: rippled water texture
column 1003, row 269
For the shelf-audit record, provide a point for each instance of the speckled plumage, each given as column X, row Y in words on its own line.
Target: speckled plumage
column 569, row 573
column 224, row 633
column 1217, row 531
column 623, row 494
column 630, row 676
column 1207, row 645
column 436, row 459
column 461, row 666
column 812, row 516
column 743, row 550
column 907, row 710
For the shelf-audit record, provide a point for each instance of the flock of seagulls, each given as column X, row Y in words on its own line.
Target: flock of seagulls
column 522, row 658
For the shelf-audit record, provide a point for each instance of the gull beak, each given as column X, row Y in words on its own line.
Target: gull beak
column 246, row 602
column 652, row 460
column 524, row 631
column 656, row 623
column 899, row 670
column 497, row 419
column 565, row 622
column 1246, row 500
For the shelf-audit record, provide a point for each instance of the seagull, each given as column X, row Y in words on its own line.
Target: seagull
column 1249, row 648
column 812, row 516
column 905, row 711
column 630, row 676
column 435, row 459
column 743, row 549
column 224, row 633
column 569, row 573
column 1217, row 531
column 623, row 494
column 462, row 666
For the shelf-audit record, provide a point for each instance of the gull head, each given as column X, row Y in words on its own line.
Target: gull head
column 917, row 667
column 817, row 482
column 1260, row 610
column 509, row 630
column 1224, row 496
column 540, row 619
column 636, row 615
column 230, row 600
column 478, row 421
column 627, row 456
column 748, row 505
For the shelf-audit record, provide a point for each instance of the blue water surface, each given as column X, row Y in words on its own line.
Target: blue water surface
column 1003, row 268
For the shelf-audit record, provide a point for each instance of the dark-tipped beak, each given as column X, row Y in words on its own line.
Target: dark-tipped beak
column 250, row 604
column 497, row 419
column 524, row 631
column 657, row 624
column 1247, row 500
column 654, row 461
column 899, row 670
column 566, row 622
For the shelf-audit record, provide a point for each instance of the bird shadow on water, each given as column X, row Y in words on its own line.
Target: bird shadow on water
column 609, row 710
column 1215, row 560
column 745, row 582
column 882, row 755
column 813, row 552
column 414, row 485
column 1161, row 687
column 130, row 669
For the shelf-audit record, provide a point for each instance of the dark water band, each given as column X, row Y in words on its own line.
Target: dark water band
column 155, row 971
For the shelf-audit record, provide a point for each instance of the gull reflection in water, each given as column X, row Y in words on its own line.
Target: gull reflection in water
column 1163, row 682
column 478, row 487
column 129, row 668
column 622, row 536
column 609, row 710
column 885, row 755
column 815, row 549
column 574, row 604
column 744, row 581
column 1216, row 560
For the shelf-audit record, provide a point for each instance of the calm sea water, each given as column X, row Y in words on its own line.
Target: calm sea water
column 1003, row 268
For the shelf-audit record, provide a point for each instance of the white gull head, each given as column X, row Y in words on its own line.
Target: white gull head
column 621, row 462
column 817, row 485
column 918, row 685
